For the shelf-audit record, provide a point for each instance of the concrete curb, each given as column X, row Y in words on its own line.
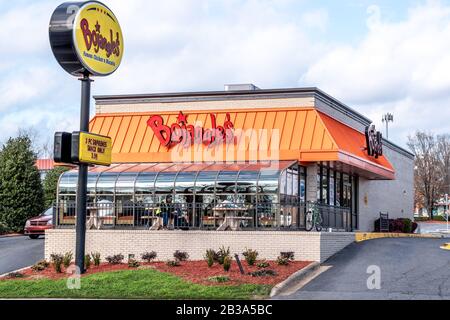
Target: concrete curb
column 365, row 236
column 296, row 277
column 2, row 276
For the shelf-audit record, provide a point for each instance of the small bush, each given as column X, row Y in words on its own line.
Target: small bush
column 263, row 265
column 288, row 255
column 219, row 279
column 96, row 257
column 210, row 257
column 15, row 275
column 68, row 256
column 173, row 263
column 222, row 254
column 115, row 259
column 181, row 255
column 414, row 227
column 263, row 273
column 132, row 263
column 40, row 266
column 149, row 256
column 57, row 261
column 282, row 261
column 3, row 228
column 227, row 263
column 87, row 261
column 250, row 256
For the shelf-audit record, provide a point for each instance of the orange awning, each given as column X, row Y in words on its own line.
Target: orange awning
column 302, row 134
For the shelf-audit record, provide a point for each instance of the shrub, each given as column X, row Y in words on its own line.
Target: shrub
column 132, row 263
column 96, row 258
column 3, row 228
column 263, row 265
column 15, row 275
column 219, row 279
column 57, row 261
column 227, row 263
column 263, row 273
column 282, row 261
column 173, row 263
column 211, row 255
column 40, row 266
column 87, row 261
column 222, row 254
column 115, row 259
column 149, row 256
column 180, row 255
column 407, row 225
column 250, row 256
column 288, row 255
column 68, row 256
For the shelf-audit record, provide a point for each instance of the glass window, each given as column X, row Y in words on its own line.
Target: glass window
column 226, row 182
column 302, row 184
column 338, row 189
column 106, row 183
column 125, row 183
column 247, row 181
column 332, row 188
column 145, row 183
column 185, row 182
column 165, row 182
column 91, row 183
column 289, row 183
column 68, row 183
column 325, row 185
column 268, row 181
column 206, row 182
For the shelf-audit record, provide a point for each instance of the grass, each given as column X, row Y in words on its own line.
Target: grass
column 129, row 284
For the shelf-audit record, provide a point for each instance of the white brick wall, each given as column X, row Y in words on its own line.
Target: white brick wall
column 307, row 246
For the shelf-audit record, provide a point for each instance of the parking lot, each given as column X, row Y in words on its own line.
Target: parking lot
column 19, row 252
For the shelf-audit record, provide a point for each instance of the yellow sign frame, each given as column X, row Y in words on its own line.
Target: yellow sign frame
column 91, row 149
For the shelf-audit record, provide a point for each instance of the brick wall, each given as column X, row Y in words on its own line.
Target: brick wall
column 307, row 246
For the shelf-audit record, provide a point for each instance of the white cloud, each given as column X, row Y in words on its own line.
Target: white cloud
column 399, row 66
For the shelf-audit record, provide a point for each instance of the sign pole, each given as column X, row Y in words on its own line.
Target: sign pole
column 82, row 178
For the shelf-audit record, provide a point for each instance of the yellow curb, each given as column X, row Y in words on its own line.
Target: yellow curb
column 360, row 236
column 446, row 246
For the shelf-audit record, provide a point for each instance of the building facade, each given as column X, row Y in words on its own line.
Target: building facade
column 264, row 155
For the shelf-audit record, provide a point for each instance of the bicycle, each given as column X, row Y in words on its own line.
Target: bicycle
column 313, row 218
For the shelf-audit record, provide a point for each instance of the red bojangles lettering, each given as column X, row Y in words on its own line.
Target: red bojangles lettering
column 186, row 134
column 98, row 41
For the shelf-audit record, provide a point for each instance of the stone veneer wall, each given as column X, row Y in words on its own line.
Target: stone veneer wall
column 307, row 246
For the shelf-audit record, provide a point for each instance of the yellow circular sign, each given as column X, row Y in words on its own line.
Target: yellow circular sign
column 98, row 39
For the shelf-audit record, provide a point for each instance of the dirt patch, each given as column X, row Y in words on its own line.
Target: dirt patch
column 193, row 271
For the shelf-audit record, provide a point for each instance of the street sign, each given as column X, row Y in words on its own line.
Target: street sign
column 88, row 148
column 86, row 38
column 62, row 152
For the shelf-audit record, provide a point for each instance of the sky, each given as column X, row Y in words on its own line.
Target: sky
column 375, row 56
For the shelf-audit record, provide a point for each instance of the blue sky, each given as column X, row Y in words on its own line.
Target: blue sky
column 376, row 56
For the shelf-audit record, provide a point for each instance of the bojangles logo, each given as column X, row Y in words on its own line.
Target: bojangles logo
column 187, row 134
column 94, row 38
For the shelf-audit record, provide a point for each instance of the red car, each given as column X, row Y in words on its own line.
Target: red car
column 36, row 227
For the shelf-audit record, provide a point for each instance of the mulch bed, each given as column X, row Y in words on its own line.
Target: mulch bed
column 193, row 271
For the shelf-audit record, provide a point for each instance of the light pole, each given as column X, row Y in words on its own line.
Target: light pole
column 388, row 117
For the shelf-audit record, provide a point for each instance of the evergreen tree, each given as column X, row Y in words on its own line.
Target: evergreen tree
column 51, row 184
column 21, row 192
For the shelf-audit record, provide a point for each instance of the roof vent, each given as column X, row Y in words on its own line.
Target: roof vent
column 241, row 87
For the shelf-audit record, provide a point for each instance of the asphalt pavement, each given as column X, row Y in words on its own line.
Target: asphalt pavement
column 408, row 269
column 19, row 252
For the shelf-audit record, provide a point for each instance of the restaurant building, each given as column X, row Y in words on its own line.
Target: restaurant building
column 245, row 160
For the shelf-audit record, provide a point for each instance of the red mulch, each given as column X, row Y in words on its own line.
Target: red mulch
column 193, row 271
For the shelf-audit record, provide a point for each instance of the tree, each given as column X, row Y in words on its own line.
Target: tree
column 443, row 146
column 21, row 192
column 428, row 172
column 51, row 184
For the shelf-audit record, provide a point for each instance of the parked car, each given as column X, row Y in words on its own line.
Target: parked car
column 36, row 227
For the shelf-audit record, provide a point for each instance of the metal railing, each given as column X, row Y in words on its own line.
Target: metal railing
column 199, row 216
column 335, row 218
